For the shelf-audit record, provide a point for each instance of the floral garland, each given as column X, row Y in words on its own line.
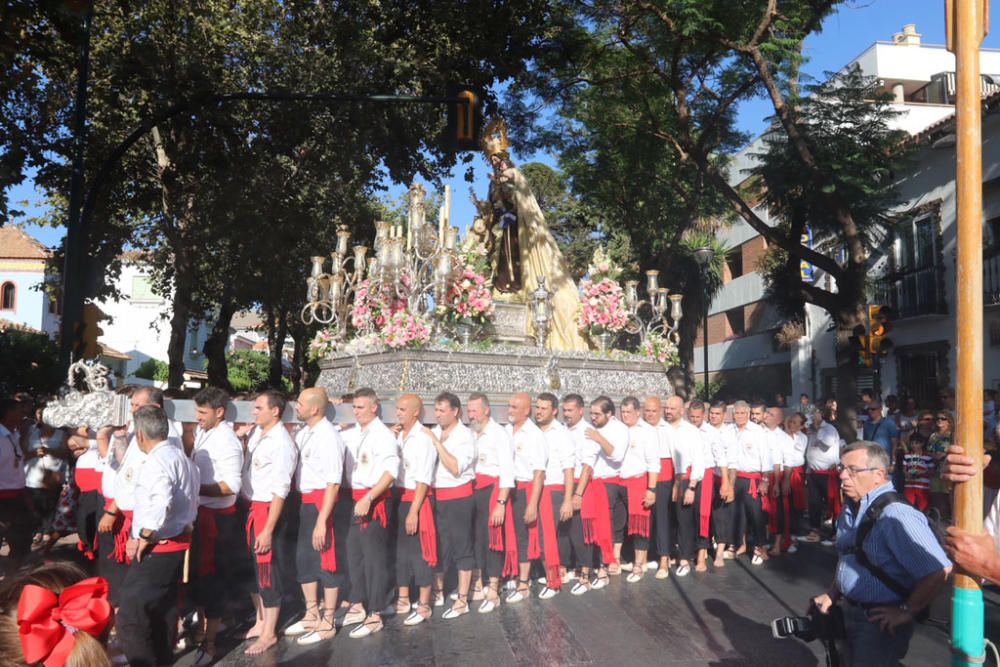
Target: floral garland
column 602, row 307
column 323, row 344
column 372, row 309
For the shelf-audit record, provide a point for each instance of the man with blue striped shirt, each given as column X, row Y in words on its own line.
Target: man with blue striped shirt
column 877, row 619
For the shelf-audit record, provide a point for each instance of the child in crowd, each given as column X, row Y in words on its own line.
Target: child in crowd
column 918, row 466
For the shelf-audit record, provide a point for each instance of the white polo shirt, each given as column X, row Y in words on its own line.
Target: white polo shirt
column 321, row 456
column 749, row 448
column 495, row 454
column 166, row 492
column 418, row 458
column 374, row 452
column 642, row 454
column 218, row 453
column 269, row 464
column 530, row 454
column 562, row 453
column 616, row 432
column 689, row 449
column 460, row 443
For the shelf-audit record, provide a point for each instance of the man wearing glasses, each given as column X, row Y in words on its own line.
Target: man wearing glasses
column 886, row 577
column 880, row 430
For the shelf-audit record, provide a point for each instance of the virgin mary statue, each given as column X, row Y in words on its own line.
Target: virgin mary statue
column 524, row 249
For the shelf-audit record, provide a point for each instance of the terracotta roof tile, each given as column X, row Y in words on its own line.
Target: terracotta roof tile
column 17, row 326
column 15, row 243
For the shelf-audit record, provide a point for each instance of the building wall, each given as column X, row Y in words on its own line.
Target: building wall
column 139, row 323
column 31, row 303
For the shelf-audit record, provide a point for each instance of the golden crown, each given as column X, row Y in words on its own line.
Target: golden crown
column 494, row 139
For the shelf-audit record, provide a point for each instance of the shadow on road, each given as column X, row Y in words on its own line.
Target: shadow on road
column 752, row 641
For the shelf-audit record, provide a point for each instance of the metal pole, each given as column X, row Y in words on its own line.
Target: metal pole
column 704, row 350
column 967, row 26
column 75, row 245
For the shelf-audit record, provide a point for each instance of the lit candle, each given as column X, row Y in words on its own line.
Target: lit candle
column 652, row 282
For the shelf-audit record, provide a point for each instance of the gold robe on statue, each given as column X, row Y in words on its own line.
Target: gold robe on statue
column 541, row 257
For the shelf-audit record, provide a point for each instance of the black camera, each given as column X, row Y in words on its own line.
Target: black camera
column 798, row 626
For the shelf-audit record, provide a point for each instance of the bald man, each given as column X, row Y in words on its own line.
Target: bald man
column 530, row 461
column 652, row 413
column 320, row 553
column 416, row 532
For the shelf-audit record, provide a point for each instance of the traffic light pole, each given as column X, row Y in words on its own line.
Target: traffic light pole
column 967, row 25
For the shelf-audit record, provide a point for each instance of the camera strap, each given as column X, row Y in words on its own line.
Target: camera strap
column 872, row 515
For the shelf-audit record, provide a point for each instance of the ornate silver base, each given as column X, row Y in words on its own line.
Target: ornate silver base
column 499, row 373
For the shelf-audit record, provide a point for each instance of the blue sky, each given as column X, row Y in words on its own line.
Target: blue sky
column 857, row 25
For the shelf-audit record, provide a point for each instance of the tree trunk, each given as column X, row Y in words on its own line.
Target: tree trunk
column 276, row 340
column 178, row 327
column 298, row 357
column 215, row 346
column 849, row 314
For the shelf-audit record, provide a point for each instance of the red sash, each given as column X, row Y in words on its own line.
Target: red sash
column 550, row 548
column 377, row 510
column 504, row 534
column 832, row 490
column 122, row 532
column 770, row 502
column 208, row 535
column 638, row 514
column 754, row 477
column 454, row 492
column 11, row 494
column 595, row 514
column 259, row 511
column 328, row 556
column 88, row 479
column 705, row 502
column 534, row 543
column 181, row 542
column 798, row 488
column 666, row 470
column 425, row 525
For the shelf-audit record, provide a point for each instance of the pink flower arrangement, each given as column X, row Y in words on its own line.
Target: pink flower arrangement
column 469, row 298
column 323, row 344
column 373, row 309
column 658, row 348
column 404, row 329
column 602, row 307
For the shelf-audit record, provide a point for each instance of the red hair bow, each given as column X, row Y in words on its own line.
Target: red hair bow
column 48, row 623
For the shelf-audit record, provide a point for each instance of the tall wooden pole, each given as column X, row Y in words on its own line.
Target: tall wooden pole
column 966, row 22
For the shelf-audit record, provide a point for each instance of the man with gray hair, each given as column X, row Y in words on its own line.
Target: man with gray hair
column 166, row 505
column 890, row 567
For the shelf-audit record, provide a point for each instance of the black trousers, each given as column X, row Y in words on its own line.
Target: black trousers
column 488, row 561
column 280, row 564
column 410, row 563
column 520, row 500
column 89, row 508
column 688, row 521
column 214, row 591
column 582, row 554
column 816, row 496
column 618, row 502
column 662, row 519
column 108, row 566
column 45, row 502
column 17, row 526
column 749, row 515
column 722, row 515
column 368, row 565
column 308, row 561
column 455, row 524
column 147, row 618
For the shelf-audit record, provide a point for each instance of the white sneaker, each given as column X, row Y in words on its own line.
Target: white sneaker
column 598, row 583
column 517, row 596
column 792, row 549
column 579, row 588
column 297, row 628
column 827, row 543
column 439, row 599
column 626, row 567
column 633, row 578
column 662, row 574
column 757, row 560
column 683, row 570
column 548, row 593
column 488, row 606
column 652, row 565
column 542, row 581
column 569, row 576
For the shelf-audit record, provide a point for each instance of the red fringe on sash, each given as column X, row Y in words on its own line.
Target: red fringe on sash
column 550, row 538
column 328, row 556
column 376, row 512
column 639, row 516
column 426, row 526
column 257, row 518
column 754, row 478
column 798, row 488
column 505, row 534
column 705, row 506
column 208, row 535
column 596, row 516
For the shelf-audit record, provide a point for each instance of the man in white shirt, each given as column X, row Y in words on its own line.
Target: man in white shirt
column 416, row 532
column 778, row 443
column 88, row 477
column 638, row 472
column 793, row 484
column 376, row 464
column 822, row 459
column 454, row 506
column 689, row 460
column 218, row 454
column 495, row 537
column 585, row 554
column 122, row 461
column 267, row 480
column 751, row 461
column 556, row 507
column 611, row 436
column 652, row 414
column 530, row 461
column 714, row 508
column 15, row 510
column 165, row 509
column 320, row 553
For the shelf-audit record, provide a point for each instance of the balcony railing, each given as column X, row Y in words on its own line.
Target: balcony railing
column 914, row 293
